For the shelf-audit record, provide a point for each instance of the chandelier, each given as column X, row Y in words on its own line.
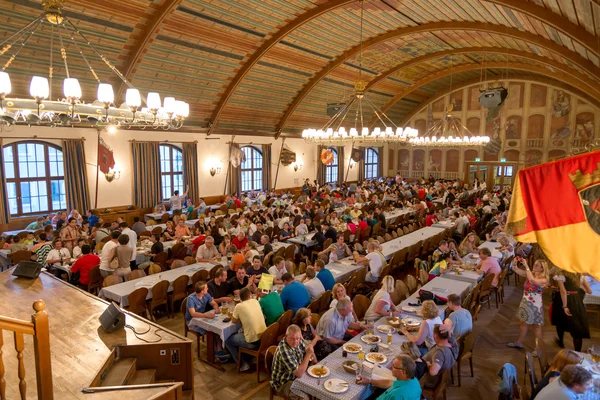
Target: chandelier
column 335, row 132
column 449, row 132
column 44, row 109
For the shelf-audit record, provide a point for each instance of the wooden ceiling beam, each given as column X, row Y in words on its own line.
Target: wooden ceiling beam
column 572, row 56
column 591, row 94
column 265, row 47
column 139, row 41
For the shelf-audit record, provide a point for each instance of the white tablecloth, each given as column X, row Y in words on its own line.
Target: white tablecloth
column 593, row 298
column 471, row 277
column 492, row 246
column 391, row 216
column 276, row 246
column 217, row 326
column 119, row 292
column 447, row 224
column 389, row 248
column 155, row 216
column 5, row 260
column 442, row 287
column 308, row 242
column 15, row 232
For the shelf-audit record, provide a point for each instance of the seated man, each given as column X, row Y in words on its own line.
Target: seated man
column 240, row 280
column 405, row 387
column 337, row 250
column 441, row 266
column 85, row 263
column 374, row 259
column 442, row 356
column 256, row 269
column 314, row 285
column 294, row 295
column 324, row 275
column 488, row 265
column 247, row 312
column 208, row 251
column 278, row 270
column 271, row 306
column 290, row 362
column 460, row 320
column 573, row 381
column 334, row 323
column 441, row 250
column 240, row 241
column 218, row 288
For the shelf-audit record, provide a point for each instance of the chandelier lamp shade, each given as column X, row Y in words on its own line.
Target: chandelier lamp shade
column 44, row 109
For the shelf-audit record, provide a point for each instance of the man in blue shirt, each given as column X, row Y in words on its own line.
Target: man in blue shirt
column 196, row 306
column 324, row 275
column 573, row 381
column 294, row 295
column 92, row 219
column 405, row 387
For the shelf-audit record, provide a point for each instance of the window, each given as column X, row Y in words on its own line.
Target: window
column 171, row 170
column 35, row 178
column 331, row 170
column 252, row 169
column 371, row 163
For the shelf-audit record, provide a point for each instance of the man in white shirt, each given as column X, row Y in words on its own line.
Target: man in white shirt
column 176, row 201
column 108, row 253
column 375, row 261
column 301, row 229
column 125, row 230
column 58, row 254
column 277, row 270
column 313, row 285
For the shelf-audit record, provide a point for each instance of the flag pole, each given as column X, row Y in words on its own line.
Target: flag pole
column 278, row 162
column 228, row 166
column 349, row 161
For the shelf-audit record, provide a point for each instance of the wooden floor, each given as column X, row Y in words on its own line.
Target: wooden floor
column 498, row 327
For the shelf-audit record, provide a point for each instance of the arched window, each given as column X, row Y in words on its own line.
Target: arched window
column 171, row 170
column 331, row 170
column 35, row 178
column 371, row 163
column 252, row 169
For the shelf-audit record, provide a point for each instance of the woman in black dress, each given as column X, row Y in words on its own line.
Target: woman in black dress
column 568, row 312
column 322, row 348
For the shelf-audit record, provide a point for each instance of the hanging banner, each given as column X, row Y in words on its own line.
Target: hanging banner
column 238, row 157
column 326, row 156
column 357, row 155
column 106, row 160
column 287, row 157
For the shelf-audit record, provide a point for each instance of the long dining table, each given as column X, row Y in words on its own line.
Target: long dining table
column 394, row 245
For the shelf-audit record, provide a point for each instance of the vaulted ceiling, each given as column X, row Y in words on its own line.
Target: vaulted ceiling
column 272, row 66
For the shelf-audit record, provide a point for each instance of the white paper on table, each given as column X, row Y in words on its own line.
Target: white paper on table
column 441, row 290
column 146, row 284
column 335, row 271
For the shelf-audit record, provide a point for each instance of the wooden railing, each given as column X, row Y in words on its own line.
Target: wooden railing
column 38, row 328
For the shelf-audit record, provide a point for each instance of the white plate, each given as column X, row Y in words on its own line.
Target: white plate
column 385, row 329
column 411, row 321
column 475, row 256
column 336, row 385
column 366, row 338
column 371, row 358
column 409, row 309
column 352, row 351
column 596, row 369
column 310, row 371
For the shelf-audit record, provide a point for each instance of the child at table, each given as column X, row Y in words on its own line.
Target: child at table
column 30, row 240
column 441, row 266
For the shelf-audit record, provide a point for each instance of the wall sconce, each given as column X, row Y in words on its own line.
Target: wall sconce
column 112, row 175
column 215, row 171
column 297, row 167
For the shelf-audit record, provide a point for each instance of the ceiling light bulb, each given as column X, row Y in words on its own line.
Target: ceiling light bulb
column 105, row 93
column 71, row 88
column 5, row 86
column 153, row 101
column 169, row 104
column 133, row 98
column 186, row 110
column 39, row 87
column 179, row 108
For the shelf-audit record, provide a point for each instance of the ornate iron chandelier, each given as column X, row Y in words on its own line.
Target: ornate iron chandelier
column 43, row 110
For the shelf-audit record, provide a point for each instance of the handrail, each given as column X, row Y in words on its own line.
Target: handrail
column 16, row 325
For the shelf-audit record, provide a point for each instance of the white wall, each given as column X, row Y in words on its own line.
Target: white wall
column 210, row 152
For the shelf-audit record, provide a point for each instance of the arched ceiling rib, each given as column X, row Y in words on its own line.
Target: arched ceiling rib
column 573, row 57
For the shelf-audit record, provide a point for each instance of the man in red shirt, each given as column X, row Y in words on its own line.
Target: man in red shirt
column 84, row 264
column 240, row 241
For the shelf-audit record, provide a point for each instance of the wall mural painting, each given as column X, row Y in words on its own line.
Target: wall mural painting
column 474, row 98
column 535, row 127
column 512, row 128
column 533, row 157
column 456, row 99
column 515, row 96
column 560, row 129
column 537, row 98
column 474, row 125
column 403, row 159
column 584, row 127
column 434, row 163
column 418, row 160
column 490, row 153
column 471, row 155
column 512, row 155
column 452, row 160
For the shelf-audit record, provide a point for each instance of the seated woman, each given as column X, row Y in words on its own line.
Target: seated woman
column 506, row 249
column 411, row 350
column 225, row 245
column 469, row 245
column 303, row 319
column 455, row 257
column 236, row 261
column 286, row 232
column 159, row 208
column 169, row 233
column 339, row 292
column 250, row 251
column 563, row 358
column 382, row 305
column 424, row 337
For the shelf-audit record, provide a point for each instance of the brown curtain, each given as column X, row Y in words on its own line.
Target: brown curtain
column 146, row 173
column 190, row 169
column 234, row 176
column 321, row 168
column 361, row 169
column 341, row 169
column 379, row 161
column 266, row 167
column 4, row 207
column 76, row 182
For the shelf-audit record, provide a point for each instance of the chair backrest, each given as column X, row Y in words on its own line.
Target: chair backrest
column 175, row 250
column 486, row 284
column 400, row 292
column 164, row 218
column 474, row 297
column 99, row 246
column 301, row 268
column 182, row 308
column 135, row 274
column 361, row 276
column 314, row 306
column 411, row 283
column 145, row 234
column 161, row 259
column 157, row 230
column 154, row 269
column 324, row 300
column 151, row 222
column 542, row 357
column 469, row 341
column 180, row 287
column 111, row 280
column 137, row 300
column 269, row 337
column 502, row 277
column 387, row 237
column 350, row 286
column 529, row 372
column 213, row 271
column 95, row 277
column 394, row 234
column 199, row 276
column 361, row 304
column 178, row 264
column 290, row 252
column 381, row 239
column 21, row 255
column 314, row 320
column 269, row 356
column 189, row 260
column 284, row 321
column 327, row 243
column 423, row 277
column 159, row 292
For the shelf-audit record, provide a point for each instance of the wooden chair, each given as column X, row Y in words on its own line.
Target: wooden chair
column 161, row 259
column 289, row 253
column 314, row 306
column 159, row 298
column 486, row 287
column 95, row 282
column 466, row 352
column 189, row 260
column 440, row 388
column 400, row 292
column 350, row 286
column 151, row 223
column 21, row 255
column 157, row 231
column 284, row 321
column 324, row 300
column 145, row 234
column 542, row 357
column 164, row 218
column 499, row 290
column 394, row 234
column 137, row 302
column 474, row 304
column 213, row 271
column 98, row 248
column 314, row 320
column 198, row 276
column 269, row 356
column 360, row 304
column 154, row 269
column 111, row 280
column 423, row 277
column 179, row 292
column 136, row 274
column 267, row 339
column 529, row 375
column 387, row 237
column 186, row 330
column 177, row 263
column 411, row 283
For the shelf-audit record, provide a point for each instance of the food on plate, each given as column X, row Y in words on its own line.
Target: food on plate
column 352, row 347
column 376, row 358
column 319, row 370
column 371, row 339
column 385, row 329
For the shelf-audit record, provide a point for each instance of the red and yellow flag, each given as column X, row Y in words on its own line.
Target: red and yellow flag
column 557, row 205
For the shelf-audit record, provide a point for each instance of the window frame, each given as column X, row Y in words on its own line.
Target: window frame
column 171, row 174
column 371, row 165
column 48, row 178
column 331, row 169
column 255, row 171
